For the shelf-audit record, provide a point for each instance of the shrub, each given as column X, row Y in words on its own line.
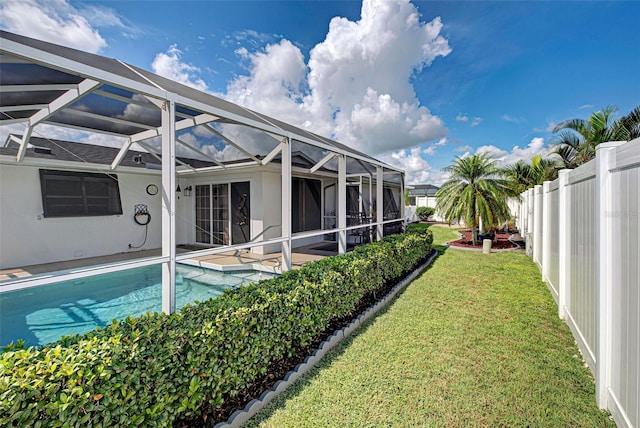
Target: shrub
column 424, row 213
column 158, row 368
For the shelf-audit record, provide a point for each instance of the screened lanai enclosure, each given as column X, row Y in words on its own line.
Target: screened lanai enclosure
column 103, row 159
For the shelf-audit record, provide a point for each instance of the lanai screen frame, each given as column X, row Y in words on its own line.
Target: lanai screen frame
column 94, row 72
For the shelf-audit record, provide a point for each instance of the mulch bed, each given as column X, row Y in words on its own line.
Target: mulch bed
column 500, row 243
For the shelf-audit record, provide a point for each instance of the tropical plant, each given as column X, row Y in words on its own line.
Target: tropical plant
column 629, row 125
column 522, row 175
column 577, row 138
column 474, row 190
column 424, row 213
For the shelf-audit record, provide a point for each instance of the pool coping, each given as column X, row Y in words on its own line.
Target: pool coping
column 231, row 268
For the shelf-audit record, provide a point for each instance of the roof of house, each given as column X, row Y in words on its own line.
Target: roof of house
column 41, row 82
column 50, row 149
column 423, row 190
column 69, row 151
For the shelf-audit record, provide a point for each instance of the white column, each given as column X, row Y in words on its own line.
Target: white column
column 168, row 207
column 546, row 231
column 607, row 275
column 286, row 205
column 380, row 201
column 402, row 196
column 564, row 236
column 341, row 211
column 370, row 206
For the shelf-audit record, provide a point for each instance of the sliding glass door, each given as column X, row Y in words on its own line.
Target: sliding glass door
column 222, row 213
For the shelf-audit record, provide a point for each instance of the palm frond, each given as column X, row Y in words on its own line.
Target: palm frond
column 630, row 125
column 581, row 126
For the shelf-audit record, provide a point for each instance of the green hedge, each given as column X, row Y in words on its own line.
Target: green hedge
column 155, row 369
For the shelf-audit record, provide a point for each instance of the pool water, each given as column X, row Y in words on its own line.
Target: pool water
column 44, row 314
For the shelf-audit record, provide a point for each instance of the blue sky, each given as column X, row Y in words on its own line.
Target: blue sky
column 421, row 82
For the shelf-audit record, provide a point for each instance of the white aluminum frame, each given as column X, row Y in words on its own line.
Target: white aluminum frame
column 167, row 101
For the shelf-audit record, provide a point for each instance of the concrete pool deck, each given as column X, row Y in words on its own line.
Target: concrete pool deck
column 226, row 261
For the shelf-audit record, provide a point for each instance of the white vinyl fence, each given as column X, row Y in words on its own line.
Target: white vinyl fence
column 583, row 230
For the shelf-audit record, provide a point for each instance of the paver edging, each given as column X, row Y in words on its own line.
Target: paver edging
column 241, row 416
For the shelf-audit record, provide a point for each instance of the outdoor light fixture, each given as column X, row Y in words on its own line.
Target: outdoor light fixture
column 187, row 191
column 178, row 190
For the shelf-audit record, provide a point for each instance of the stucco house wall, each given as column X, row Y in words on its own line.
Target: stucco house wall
column 27, row 237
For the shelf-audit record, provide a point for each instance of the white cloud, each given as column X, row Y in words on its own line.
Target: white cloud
column 6, row 130
column 504, row 157
column 356, row 86
column 472, row 121
column 585, row 106
column 462, row 149
column 431, row 149
column 417, row 170
column 549, row 128
column 57, row 21
column 441, row 142
column 476, row 121
column 103, row 17
column 512, row 119
column 274, row 86
column 168, row 64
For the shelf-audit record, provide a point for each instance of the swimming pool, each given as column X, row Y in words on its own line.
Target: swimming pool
column 44, row 314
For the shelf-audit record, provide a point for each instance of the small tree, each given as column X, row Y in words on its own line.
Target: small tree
column 474, row 190
column 424, row 213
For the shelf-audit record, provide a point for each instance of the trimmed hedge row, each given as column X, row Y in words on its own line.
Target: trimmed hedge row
column 156, row 368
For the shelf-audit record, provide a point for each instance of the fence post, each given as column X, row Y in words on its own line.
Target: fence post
column 519, row 215
column 523, row 215
column 537, row 224
column 546, row 231
column 529, row 237
column 606, row 195
column 564, row 243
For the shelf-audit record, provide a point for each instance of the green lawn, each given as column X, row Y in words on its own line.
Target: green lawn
column 474, row 341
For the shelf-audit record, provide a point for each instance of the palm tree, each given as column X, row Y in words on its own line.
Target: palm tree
column 577, row 138
column 522, row 175
column 473, row 191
